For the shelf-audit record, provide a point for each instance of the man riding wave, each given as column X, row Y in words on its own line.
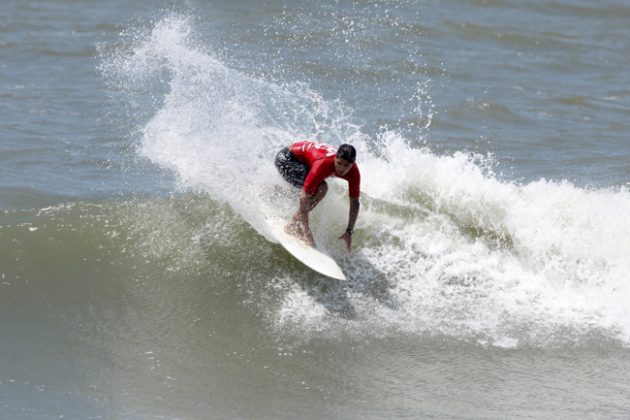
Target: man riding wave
column 306, row 165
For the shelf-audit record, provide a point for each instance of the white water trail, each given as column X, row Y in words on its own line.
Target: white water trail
column 443, row 248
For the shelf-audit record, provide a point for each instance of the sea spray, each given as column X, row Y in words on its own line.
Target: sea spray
column 443, row 246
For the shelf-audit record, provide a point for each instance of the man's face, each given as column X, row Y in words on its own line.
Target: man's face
column 342, row 166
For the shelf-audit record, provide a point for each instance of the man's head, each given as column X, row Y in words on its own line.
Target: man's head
column 345, row 157
column 347, row 152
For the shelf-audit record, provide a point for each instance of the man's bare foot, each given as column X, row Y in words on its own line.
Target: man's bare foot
column 298, row 231
column 309, row 240
column 294, row 229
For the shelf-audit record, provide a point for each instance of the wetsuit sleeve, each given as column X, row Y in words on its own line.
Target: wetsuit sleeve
column 354, row 182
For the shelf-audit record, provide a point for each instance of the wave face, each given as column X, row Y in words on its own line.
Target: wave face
column 444, row 246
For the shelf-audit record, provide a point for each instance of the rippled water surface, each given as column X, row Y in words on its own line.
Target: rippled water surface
column 489, row 275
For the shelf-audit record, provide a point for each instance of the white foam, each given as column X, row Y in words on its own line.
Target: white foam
column 462, row 253
column 501, row 259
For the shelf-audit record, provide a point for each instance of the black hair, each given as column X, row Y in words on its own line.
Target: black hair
column 347, row 152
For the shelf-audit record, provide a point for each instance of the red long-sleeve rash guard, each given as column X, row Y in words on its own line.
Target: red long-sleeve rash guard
column 321, row 159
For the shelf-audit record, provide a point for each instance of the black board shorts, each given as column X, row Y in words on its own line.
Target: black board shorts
column 292, row 170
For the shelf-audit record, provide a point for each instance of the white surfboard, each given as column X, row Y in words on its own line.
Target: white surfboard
column 307, row 255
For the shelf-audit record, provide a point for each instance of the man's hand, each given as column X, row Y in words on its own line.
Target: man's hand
column 348, row 238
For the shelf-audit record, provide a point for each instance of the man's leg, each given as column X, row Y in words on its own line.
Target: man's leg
column 299, row 225
column 292, row 170
column 322, row 189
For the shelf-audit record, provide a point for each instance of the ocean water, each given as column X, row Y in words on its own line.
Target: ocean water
column 489, row 277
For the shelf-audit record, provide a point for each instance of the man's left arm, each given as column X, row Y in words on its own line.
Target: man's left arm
column 352, row 219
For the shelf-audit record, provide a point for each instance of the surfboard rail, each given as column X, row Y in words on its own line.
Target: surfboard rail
column 311, row 257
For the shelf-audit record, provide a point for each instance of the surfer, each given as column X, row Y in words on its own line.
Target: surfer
column 306, row 165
